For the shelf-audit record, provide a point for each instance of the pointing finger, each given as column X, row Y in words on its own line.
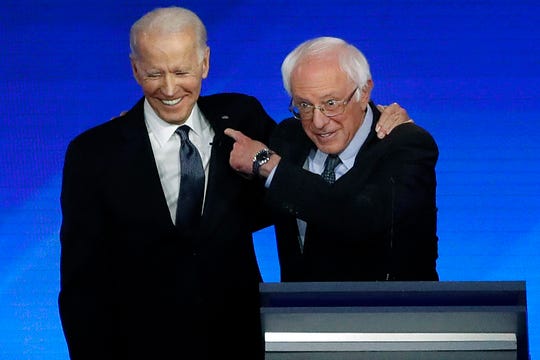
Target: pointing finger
column 234, row 134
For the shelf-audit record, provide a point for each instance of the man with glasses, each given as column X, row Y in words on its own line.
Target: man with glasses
column 347, row 205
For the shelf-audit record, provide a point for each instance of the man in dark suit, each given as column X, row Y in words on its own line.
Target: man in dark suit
column 370, row 217
column 135, row 285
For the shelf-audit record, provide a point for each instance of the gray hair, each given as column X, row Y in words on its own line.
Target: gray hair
column 168, row 20
column 351, row 60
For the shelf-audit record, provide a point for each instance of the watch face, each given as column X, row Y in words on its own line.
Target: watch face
column 262, row 156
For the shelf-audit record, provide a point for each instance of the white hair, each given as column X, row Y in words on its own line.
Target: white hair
column 351, row 60
column 167, row 20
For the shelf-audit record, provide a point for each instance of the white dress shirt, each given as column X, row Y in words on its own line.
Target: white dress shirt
column 166, row 147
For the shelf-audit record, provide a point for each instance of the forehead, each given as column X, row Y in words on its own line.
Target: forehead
column 317, row 78
column 170, row 47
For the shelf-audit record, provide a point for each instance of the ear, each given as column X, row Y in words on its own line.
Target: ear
column 135, row 70
column 206, row 62
column 366, row 91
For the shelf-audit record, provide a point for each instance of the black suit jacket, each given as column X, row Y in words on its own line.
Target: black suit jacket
column 131, row 285
column 377, row 222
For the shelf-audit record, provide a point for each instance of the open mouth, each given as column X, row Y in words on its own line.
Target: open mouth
column 325, row 135
column 171, row 102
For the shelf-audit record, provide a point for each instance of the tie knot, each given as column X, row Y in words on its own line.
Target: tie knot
column 183, row 131
column 331, row 162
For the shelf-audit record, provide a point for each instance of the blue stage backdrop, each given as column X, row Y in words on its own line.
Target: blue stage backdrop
column 466, row 70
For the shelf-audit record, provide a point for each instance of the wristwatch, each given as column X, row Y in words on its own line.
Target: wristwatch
column 261, row 158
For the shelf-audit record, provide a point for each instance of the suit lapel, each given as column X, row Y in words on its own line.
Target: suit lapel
column 219, row 191
column 138, row 163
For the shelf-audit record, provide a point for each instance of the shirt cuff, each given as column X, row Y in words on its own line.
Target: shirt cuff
column 270, row 177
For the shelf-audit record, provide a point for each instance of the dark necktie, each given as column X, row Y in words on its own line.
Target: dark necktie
column 330, row 164
column 190, row 196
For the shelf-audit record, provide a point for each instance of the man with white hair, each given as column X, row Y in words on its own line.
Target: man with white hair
column 347, row 206
column 148, row 269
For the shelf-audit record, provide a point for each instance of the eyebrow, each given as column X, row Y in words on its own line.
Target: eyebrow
column 326, row 96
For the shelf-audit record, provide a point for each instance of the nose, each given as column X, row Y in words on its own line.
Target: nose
column 319, row 119
column 169, row 85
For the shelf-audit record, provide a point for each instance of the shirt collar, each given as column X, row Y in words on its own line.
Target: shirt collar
column 163, row 130
column 348, row 155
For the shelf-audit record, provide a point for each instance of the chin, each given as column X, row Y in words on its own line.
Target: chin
column 328, row 149
column 173, row 118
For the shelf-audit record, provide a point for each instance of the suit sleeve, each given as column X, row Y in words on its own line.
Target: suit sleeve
column 413, row 223
column 261, row 127
column 81, row 299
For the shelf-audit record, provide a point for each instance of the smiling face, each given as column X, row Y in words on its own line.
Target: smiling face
column 316, row 81
column 169, row 69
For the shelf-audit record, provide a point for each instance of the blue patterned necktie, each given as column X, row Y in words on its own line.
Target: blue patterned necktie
column 330, row 164
column 191, row 194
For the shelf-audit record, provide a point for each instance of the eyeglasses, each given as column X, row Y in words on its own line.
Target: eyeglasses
column 330, row 108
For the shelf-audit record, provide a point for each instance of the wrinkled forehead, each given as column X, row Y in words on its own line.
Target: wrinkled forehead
column 323, row 76
column 159, row 42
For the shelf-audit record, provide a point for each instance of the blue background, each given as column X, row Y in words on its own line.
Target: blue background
column 468, row 71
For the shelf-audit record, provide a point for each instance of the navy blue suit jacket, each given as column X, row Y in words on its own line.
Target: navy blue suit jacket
column 131, row 285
